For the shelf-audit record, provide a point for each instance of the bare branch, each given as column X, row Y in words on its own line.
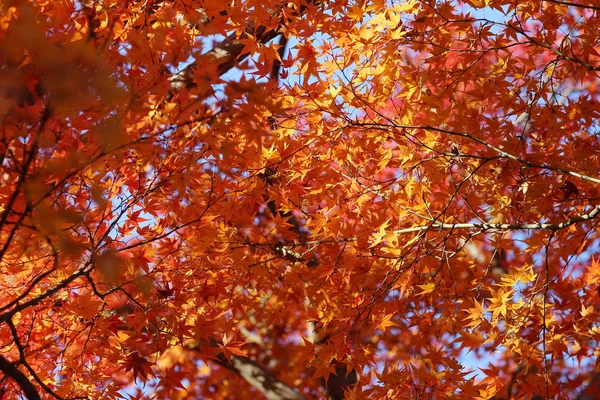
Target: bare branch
column 505, row 227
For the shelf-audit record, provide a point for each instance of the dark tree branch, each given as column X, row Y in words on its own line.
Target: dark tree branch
column 21, row 349
column 12, row 372
column 571, row 4
column 276, row 68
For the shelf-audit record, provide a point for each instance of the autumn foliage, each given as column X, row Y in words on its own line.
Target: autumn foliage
column 299, row 199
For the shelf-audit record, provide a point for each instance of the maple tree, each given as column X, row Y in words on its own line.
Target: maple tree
column 299, row 199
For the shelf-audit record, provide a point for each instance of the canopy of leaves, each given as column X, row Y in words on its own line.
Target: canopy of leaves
column 299, row 199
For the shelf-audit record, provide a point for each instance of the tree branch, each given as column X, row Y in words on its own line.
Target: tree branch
column 228, row 53
column 505, row 154
column 571, row 4
column 258, row 377
column 505, row 227
column 12, row 372
column 500, row 152
column 225, row 55
column 247, row 369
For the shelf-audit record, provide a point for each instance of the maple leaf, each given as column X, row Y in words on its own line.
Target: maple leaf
column 385, row 322
column 139, row 365
column 172, row 378
column 569, row 189
column 427, row 288
column 231, row 347
column 165, row 293
column 324, row 370
column 499, row 303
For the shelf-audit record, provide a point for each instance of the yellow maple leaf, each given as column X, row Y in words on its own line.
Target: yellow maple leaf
column 386, row 322
column 427, row 288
